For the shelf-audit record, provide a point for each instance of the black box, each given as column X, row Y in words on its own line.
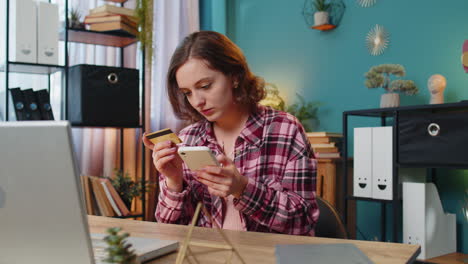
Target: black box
column 103, row 96
column 433, row 139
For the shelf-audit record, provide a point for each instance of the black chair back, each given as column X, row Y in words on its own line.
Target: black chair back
column 329, row 223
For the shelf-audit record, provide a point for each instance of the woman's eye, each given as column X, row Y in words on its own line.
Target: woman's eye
column 187, row 93
column 206, row 86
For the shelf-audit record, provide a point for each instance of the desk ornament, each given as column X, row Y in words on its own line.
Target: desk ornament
column 185, row 247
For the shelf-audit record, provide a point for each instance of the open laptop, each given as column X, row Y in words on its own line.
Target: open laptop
column 42, row 214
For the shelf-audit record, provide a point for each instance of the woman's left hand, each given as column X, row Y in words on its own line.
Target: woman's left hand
column 223, row 181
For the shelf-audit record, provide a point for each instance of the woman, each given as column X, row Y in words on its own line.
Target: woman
column 267, row 179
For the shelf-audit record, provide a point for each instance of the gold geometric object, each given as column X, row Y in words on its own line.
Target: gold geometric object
column 185, row 247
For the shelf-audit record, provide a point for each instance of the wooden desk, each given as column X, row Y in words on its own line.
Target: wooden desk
column 255, row 247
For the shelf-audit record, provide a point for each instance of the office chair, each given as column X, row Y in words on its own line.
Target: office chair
column 329, row 223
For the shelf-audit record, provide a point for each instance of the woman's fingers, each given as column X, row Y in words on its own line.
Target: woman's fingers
column 164, row 152
column 162, row 163
column 147, row 142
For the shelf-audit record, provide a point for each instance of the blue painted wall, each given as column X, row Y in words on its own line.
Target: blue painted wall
column 425, row 36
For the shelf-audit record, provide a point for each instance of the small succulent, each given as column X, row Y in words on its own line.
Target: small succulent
column 126, row 187
column 119, row 251
column 379, row 76
column 321, row 5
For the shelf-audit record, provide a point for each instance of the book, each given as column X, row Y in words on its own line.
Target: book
column 320, row 253
column 323, row 145
column 104, row 206
column 111, row 18
column 118, row 200
column 323, row 140
column 87, row 191
column 321, row 155
column 323, row 134
column 17, row 108
column 31, row 105
column 325, row 149
column 114, row 26
column 43, row 101
column 110, row 198
column 113, row 9
column 134, row 19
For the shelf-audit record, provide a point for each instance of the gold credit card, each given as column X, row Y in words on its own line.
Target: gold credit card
column 163, row 135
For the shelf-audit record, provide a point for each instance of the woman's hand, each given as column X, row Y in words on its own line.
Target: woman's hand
column 223, row 181
column 167, row 161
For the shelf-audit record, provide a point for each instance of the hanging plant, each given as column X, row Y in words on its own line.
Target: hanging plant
column 144, row 13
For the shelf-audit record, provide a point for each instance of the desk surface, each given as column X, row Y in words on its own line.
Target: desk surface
column 254, row 247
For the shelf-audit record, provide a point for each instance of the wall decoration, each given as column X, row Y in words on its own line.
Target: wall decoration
column 377, row 40
column 323, row 14
column 379, row 76
column 366, row 3
column 436, row 86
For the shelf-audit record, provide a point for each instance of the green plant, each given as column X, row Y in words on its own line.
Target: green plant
column 305, row 112
column 118, row 249
column 126, row 187
column 144, row 13
column 379, row 76
column 321, row 5
column 74, row 18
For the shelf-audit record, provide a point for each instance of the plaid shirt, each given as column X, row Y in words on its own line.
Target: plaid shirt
column 273, row 152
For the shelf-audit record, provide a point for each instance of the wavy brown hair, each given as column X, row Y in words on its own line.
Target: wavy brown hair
column 222, row 55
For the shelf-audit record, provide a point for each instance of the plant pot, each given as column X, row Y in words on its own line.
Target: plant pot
column 390, row 100
column 320, row 18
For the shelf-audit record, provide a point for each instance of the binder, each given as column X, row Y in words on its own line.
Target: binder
column 23, row 34
column 17, row 110
column 47, row 33
column 31, row 105
column 43, row 101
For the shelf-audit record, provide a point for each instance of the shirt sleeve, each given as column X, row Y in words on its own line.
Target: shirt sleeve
column 287, row 205
column 178, row 207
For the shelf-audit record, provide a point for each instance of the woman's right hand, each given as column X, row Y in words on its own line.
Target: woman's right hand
column 167, row 161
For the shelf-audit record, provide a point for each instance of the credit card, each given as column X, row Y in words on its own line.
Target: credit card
column 163, row 135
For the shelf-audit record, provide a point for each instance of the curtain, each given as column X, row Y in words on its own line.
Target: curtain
column 172, row 21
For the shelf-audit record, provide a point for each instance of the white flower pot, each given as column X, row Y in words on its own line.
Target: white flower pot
column 390, row 100
column 320, row 18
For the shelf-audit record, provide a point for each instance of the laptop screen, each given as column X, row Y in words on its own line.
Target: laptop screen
column 41, row 212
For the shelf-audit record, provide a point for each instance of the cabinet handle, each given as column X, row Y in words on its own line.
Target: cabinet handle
column 433, row 129
column 113, row 78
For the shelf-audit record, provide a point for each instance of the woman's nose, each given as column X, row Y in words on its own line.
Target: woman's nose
column 198, row 100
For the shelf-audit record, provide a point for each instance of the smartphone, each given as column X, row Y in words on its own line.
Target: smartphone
column 197, row 158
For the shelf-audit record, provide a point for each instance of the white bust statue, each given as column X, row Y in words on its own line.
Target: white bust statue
column 436, row 86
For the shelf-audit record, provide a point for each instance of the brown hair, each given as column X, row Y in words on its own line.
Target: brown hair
column 222, row 55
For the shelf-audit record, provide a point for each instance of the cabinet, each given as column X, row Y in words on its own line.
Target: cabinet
column 46, row 74
column 424, row 136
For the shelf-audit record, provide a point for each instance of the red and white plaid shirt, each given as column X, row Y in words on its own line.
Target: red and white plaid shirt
column 273, row 152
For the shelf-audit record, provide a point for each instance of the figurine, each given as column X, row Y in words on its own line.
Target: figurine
column 436, row 86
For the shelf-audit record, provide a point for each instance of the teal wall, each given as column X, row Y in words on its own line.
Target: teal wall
column 425, row 36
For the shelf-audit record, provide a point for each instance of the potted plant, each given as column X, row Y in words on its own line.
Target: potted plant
column 305, row 112
column 126, row 187
column 119, row 250
column 321, row 16
column 74, row 19
column 379, row 76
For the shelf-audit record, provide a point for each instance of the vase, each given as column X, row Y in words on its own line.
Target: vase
column 320, row 18
column 390, row 100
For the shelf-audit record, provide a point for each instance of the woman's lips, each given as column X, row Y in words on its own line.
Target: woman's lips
column 207, row 111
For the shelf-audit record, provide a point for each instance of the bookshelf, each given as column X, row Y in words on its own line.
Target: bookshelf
column 46, row 73
column 422, row 153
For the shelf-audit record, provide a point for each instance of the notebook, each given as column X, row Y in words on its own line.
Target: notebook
column 320, row 253
column 42, row 213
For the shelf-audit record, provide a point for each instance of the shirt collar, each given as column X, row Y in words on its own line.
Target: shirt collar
column 252, row 131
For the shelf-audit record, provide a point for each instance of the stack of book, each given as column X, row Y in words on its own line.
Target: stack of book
column 111, row 18
column 326, row 145
column 101, row 197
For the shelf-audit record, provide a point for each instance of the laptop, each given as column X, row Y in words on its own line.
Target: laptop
column 42, row 214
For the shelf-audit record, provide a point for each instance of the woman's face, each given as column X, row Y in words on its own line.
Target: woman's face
column 207, row 90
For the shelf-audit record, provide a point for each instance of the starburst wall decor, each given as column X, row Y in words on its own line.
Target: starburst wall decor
column 366, row 3
column 377, row 40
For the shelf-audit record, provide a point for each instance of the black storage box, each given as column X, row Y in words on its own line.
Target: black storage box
column 103, row 96
column 433, row 139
